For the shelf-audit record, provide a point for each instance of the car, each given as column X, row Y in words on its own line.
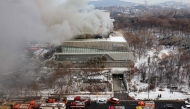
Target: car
column 122, row 85
column 101, row 101
column 114, row 100
column 167, row 106
column 185, row 107
column 120, row 78
column 187, row 101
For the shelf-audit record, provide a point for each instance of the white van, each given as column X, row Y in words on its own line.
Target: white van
column 101, row 101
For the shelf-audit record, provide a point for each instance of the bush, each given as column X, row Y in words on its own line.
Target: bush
column 151, row 87
column 135, row 88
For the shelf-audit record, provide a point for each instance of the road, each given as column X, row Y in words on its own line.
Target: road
column 130, row 105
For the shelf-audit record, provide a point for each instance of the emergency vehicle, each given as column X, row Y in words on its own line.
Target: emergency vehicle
column 114, row 100
column 35, row 104
column 145, row 105
column 55, row 105
column 116, row 107
column 77, row 105
column 85, row 99
column 52, row 99
column 22, row 106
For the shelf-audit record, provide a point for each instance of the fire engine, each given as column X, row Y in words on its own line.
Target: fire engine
column 77, row 105
column 22, row 106
column 35, row 104
column 85, row 99
column 145, row 105
column 55, row 105
column 116, row 107
column 58, row 98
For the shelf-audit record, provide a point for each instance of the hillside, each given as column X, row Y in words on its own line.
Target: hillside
column 106, row 3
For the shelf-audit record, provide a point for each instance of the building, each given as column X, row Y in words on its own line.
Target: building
column 112, row 51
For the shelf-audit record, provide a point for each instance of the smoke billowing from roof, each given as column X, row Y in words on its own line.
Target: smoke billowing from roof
column 71, row 18
column 45, row 21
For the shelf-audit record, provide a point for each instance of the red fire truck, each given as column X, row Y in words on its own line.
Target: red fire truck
column 22, row 106
column 85, row 99
column 77, row 105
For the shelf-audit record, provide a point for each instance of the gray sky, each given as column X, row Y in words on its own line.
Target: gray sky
column 156, row 1
column 151, row 1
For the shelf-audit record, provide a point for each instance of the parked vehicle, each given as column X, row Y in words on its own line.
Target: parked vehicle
column 22, row 106
column 167, row 106
column 114, row 100
column 139, row 107
column 55, row 105
column 187, row 101
column 85, row 99
column 101, row 101
column 120, row 78
column 56, row 98
column 149, row 105
column 77, row 105
column 185, row 107
column 7, row 105
column 116, row 107
column 145, row 104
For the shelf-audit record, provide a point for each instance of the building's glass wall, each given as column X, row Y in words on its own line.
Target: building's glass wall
column 102, row 45
column 66, row 49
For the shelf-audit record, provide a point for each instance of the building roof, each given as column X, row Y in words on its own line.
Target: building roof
column 113, row 37
column 110, row 39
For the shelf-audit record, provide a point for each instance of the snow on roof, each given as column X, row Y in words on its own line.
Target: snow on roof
column 101, row 77
column 40, row 52
column 116, row 39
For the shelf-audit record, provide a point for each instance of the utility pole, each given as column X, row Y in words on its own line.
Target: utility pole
column 155, row 84
column 148, row 75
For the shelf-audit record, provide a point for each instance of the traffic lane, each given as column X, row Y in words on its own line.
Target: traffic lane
column 130, row 105
column 176, row 104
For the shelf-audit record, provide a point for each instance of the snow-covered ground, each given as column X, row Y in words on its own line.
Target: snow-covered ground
column 165, row 95
column 142, row 92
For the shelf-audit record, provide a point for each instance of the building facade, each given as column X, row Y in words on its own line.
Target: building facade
column 107, row 52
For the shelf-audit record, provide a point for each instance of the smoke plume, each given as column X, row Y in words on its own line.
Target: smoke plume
column 71, row 18
column 45, row 21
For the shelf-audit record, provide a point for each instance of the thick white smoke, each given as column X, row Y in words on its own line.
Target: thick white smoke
column 45, row 20
column 52, row 21
column 73, row 17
